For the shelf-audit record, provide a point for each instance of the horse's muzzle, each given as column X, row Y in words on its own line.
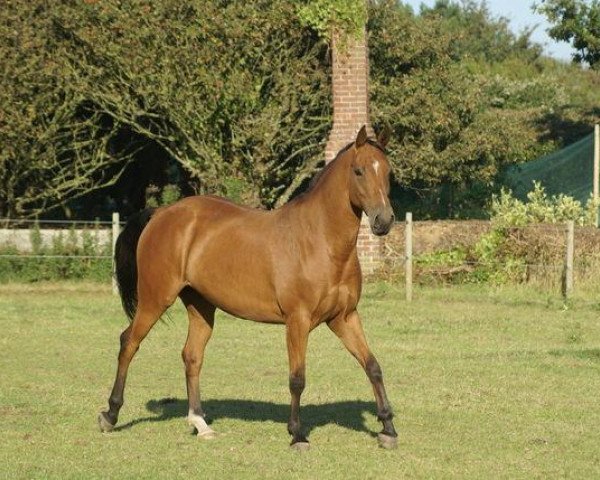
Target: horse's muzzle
column 381, row 220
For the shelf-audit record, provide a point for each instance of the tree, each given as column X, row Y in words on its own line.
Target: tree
column 578, row 22
column 455, row 124
column 241, row 104
column 110, row 91
column 480, row 35
column 54, row 146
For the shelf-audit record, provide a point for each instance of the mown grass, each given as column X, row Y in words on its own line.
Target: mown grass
column 486, row 383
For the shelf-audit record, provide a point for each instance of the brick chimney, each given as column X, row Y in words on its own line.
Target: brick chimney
column 350, row 81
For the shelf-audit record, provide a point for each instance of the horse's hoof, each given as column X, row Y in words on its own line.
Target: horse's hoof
column 207, row 434
column 104, row 423
column 300, row 446
column 386, row 441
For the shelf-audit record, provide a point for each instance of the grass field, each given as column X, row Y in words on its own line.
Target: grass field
column 486, row 383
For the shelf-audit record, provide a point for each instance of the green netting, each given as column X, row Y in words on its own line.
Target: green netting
column 568, row 171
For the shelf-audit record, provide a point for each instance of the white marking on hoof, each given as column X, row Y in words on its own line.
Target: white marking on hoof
column 300, row 446
column 207, row 435
column 387, row 442
column 104, row 424
column 198, row 422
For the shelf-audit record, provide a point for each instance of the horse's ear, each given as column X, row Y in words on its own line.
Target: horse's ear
column 384, row 136
column 361, row 137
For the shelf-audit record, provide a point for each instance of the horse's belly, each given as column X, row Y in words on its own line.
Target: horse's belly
column 254, row 305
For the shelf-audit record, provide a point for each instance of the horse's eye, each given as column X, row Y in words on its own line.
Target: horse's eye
column 358, row 171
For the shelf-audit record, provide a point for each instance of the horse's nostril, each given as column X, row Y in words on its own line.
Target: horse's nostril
column 393, row 217
column 376, row 219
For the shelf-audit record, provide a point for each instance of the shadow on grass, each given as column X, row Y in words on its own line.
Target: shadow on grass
column 592, row 354
column 347, row 414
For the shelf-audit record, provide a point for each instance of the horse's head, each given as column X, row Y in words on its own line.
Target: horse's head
column 370, row 181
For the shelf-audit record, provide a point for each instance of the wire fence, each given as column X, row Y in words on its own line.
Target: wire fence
column 55, row 249
column 41, row 249
column 17, row 222
column 540, row 254
column 25, row 256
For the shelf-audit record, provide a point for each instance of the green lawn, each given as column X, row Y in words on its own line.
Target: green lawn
column 486, row 383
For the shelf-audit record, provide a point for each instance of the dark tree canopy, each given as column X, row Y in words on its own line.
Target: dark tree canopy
column 235, row 93
column 102, row 98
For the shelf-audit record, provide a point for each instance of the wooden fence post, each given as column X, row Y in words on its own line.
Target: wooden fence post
column 596, row 177
column 408, row 257
column 568, row 274
column 116, row 228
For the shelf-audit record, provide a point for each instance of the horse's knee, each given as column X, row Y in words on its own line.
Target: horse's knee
column 297, row 383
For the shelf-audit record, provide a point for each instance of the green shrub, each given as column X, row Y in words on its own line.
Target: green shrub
column 67, row 258
column 525, row 244
column 509, row 211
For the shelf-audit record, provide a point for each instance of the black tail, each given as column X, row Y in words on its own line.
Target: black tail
column 126, row 259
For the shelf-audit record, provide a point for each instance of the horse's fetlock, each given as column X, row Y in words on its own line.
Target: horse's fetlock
column 385, row 414
column 293, row 427
column 115, row 403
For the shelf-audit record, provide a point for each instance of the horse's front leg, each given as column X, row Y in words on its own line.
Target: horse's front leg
column 349, row 330
column 297, row 330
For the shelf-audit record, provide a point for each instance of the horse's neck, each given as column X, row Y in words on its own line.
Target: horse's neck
column 329, row 212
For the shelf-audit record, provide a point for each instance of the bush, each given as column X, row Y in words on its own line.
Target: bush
column 508, row 211
column 69, row 257
column 525, row 244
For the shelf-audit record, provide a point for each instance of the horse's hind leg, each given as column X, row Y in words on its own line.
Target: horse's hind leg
column 349, row 330
column 201, row 317
column 146, row 316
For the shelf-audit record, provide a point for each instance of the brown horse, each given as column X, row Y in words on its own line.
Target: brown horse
column 296, row 266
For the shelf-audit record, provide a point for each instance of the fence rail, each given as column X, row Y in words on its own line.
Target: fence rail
column 49, row 256
column 567, row 267
column 26, row 250
column 412, row 262
column 30, row 221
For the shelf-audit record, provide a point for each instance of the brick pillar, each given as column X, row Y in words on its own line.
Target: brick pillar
column 350, row 79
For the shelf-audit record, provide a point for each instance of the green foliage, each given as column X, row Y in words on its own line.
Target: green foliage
column 450, row 258
column 61, row 260
column 156, row 197
column 449, row 122
column 102, row 83
column 507, row 211
column 242, row 105
column 480, row 35
column 347, row 17
column 525, row 243
column 466, row 97
column 55, row 147
column 577, row 22
column 493, row 264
